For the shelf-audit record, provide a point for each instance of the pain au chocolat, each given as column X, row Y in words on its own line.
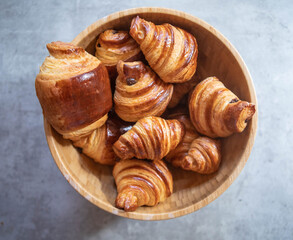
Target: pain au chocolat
column 215, row 111
column 170, row 51
column 113, row 46
column 74, row 91
column 140, row 92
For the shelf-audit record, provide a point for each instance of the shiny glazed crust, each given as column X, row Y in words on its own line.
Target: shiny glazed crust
column 182, row 89
column 150, row 138
column 170, row 51
column 176, row 156
column 73, row 88
column 98, row 145
column 204, row 156
column 217, row 112
column 140, row 92
column 113, row 46
column 141, row 183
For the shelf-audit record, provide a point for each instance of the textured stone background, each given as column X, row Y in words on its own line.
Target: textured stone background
column 35, row 200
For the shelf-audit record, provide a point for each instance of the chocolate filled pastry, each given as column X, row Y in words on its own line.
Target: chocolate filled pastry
column 74, row 91
column 182, row 89
column 170, row 51
column 141, row 183
column 150, row 138
column 217, row 112
column 98, row 145
column 140, row 92
column 113, row 46
column 195, row 153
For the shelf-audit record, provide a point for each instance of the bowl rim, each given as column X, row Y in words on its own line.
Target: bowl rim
column 225, row 184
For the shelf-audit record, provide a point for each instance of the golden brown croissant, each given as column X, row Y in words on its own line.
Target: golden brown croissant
column 181, row 89
column 150, row 138
column 177, row 155
column 204, row 156
column 113, row 46
column 141, row 182
column 73, row 88
column 140, row 92
column 217, row 112
column 98, row 145
column 170, row 51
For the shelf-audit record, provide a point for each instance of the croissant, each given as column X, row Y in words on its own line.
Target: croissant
column 150, row 138
column 170, row 51
column 204, row 156
column 217, row 112
column 181, row 89
column 141, row 183
column 177, row 155
column 140, row 92
column 98, row 145
column 113, row 46
column 74, row 91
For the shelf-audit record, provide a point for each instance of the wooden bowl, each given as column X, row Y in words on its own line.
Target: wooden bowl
column 217, row 57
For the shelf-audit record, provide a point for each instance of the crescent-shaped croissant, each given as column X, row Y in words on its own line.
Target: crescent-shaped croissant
column 98, row 145
column 217, row 112
column 170, row 51
column 177, row 155
column 113, row 46
column 141, row 182
column 74, row 91
column 140, row 92
column 150, row 138
column 204, row 156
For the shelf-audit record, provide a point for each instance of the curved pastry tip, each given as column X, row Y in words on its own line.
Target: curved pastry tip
column 60, row 49
column 127, row 201
column 131, row 71
column 186, row 163
column 134, row 23
column 122, row 151
column 113, row 36
column 238, row 115
column 138, row 29
column 120, row 65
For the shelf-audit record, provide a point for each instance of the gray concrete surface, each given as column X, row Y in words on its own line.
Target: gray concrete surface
column 35, row 200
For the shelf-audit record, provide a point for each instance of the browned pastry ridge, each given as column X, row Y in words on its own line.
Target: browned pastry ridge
column 217, row 112
column 204, row 156
column 181, row 89
column 113, row 46
column 140, row 92
column 195, row 153
column 170, row 51
column 141, row 183
column 74, row 91
column 99, row 143
column 150, row 138
column 177, row 155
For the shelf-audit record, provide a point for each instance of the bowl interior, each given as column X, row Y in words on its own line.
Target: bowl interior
column 217, row 57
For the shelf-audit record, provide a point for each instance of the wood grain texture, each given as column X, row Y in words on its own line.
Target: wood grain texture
column 192, row 191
